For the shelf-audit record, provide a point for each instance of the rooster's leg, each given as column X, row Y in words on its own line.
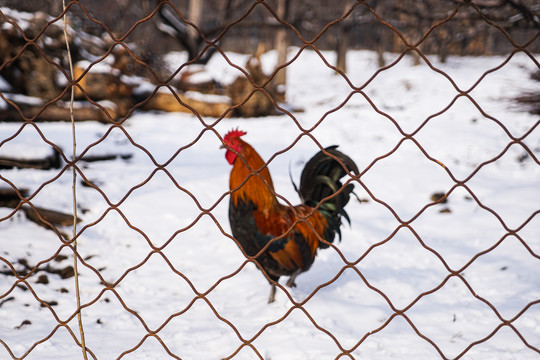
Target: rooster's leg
column 272, row 296
column 290, row 282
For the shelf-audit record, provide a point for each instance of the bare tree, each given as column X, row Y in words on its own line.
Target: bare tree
column 281, row 43
column 191, row 33
column 341, row 40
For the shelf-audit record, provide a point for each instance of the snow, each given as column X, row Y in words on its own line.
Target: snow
column 23, row 19
column 209, row 98
column 157, row 228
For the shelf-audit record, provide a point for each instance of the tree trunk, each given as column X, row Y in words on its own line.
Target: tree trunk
column 341, row 49
column 443, row 47
column 195, row 14
column 341, row 41
column 281, row 46
column 380, row 38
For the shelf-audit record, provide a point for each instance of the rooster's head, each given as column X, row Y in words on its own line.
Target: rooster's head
column 233, row 144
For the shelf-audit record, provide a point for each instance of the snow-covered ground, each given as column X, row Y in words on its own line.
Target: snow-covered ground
column 159, row 233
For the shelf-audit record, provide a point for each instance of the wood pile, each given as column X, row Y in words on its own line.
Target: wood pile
column 252, row 101
column 37, row 76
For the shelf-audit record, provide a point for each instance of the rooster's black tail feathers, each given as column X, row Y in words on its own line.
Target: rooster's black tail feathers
column 320, row 179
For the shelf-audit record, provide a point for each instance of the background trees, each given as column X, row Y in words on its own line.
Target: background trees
column 467, row 33
column 141, row 34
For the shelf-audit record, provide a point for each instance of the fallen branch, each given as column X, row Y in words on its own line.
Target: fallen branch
column 9, row 198
column 50, row 162
column 165, row 101
column 43, row 216
column 106, row 157
column 531, row 101
column 60, row 112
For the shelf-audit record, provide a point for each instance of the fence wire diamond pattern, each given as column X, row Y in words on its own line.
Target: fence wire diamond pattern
column 412, row 276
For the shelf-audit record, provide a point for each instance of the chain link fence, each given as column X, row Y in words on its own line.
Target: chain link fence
column 141, row 290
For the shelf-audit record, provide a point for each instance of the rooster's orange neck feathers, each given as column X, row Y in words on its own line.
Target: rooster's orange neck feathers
column 250, row 179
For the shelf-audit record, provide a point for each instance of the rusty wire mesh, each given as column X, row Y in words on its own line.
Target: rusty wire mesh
column 150, row 331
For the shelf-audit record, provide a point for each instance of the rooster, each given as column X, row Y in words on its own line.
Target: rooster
column 284, row 239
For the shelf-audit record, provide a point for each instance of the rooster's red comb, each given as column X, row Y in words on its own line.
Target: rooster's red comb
column 235, row 133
